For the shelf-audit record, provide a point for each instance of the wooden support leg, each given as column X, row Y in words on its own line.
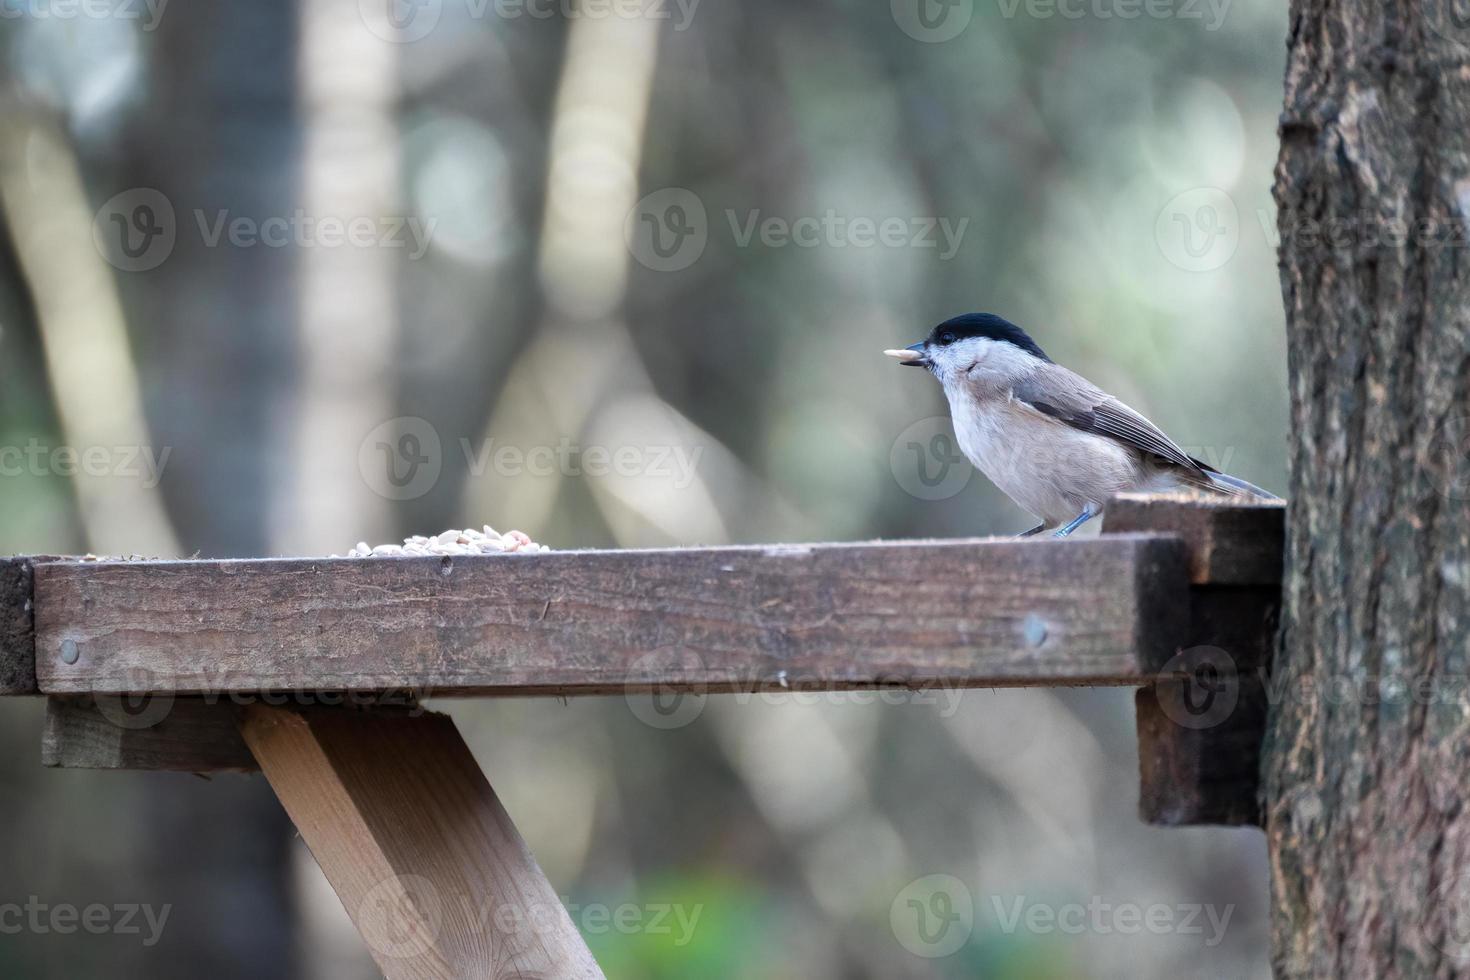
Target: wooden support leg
column 1200, row 731
column 1199, row 736
column 409, row 833
column 1199, row 749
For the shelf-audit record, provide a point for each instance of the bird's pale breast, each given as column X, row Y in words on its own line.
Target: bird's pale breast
column 1049, row 469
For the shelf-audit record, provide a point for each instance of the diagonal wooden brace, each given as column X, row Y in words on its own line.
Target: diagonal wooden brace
column 408, row 831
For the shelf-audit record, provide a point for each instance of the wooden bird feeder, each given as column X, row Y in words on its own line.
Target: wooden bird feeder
column 310, row 672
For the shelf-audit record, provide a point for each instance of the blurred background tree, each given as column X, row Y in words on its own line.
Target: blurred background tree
column 1097, row 172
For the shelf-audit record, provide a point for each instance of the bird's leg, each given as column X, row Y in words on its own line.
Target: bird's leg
column 1034, row 531
column 1088, row 513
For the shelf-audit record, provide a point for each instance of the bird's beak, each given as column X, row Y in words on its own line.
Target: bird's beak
column 913, row 355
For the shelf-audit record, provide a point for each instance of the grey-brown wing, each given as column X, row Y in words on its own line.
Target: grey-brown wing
column 1069, row 398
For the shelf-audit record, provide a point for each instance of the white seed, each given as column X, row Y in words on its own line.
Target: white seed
column 453, row 542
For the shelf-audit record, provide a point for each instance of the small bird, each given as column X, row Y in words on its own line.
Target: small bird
column 1054, row 442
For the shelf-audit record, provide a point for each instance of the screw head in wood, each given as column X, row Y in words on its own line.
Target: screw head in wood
column 69, row 653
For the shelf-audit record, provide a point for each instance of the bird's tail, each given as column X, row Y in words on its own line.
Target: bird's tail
column 1213, row 479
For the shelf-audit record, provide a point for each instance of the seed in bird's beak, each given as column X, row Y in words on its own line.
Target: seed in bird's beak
column 914, row 356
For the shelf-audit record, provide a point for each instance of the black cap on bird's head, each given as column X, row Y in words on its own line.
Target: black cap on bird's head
column 987, row 326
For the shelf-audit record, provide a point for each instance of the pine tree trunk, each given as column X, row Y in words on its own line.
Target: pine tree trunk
column 1367, row 768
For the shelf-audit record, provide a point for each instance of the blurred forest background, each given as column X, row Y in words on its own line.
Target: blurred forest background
column 562, row 240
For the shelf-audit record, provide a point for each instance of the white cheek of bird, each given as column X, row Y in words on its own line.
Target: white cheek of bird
column 486, row 541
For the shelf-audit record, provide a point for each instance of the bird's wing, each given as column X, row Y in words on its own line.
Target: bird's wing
column 1064, row 395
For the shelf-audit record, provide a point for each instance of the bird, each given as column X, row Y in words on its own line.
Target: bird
column 1052, row 441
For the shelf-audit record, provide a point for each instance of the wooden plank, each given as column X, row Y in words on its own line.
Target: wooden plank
column 1188, row 775
column 417, row 846
column 17, row 632
column 960, row 613
column 1200, row 730
column 157, row 732
column 1231, row 541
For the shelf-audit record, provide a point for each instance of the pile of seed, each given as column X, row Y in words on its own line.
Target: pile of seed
column 486, row 541
column 112, row 558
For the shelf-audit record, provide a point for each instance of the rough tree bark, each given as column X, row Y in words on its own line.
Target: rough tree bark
column 1367, row 769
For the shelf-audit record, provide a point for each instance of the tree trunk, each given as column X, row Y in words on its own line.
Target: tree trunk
column 1368, row 753
column 219, row 132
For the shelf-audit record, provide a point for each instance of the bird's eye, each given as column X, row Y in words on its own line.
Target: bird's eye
column 945, row 339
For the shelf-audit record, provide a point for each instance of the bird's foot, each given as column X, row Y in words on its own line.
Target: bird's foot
column 1034, row 531
column 1088, row 513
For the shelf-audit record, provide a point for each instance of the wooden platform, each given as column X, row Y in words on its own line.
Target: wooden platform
column 310, row 671
column 961, row 613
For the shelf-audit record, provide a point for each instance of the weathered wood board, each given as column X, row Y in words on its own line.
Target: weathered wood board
column 1232, row 540
column 1200, row 731
column 17, row 633
column 915, row 613
column 152, row 731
